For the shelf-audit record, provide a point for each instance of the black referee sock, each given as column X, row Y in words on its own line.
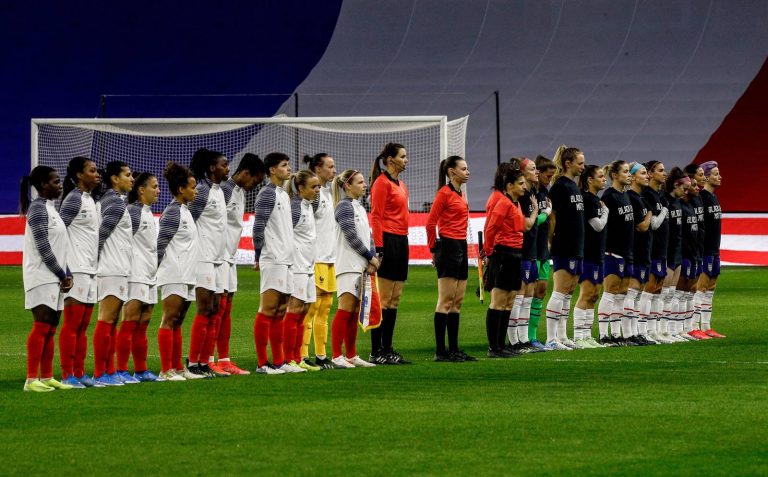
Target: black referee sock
column 491, row 328
column 452, row 323
column 503, row 323
column 388, row 327
column 376, row 337
column 440, row 325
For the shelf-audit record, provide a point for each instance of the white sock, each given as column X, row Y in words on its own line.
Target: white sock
column 514, row 320
column 604, row 310
column 579, row 322
column 679, row 304
column 554, row 305
column 688, row 312
column 562, row 325
column 629, row 314
column 523, row 319
column 617, row 316
column 662, row 307
column 706, row 310
column 698, row 299
column 645, row 313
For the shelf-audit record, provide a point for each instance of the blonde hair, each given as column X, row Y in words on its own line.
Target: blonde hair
column 297, row 179
column 562, row 155
column 337, row 186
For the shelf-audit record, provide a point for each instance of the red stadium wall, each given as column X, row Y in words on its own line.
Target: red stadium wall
column 739, row 146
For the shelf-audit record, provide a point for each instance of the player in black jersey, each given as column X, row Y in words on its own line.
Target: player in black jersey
column 692, row 251
column 546, row 170
column 676, row 187
column 650, row 298
column 566, row 237
column 707, row 280
column 618, row 254
column 634, row 326
column 592, row 181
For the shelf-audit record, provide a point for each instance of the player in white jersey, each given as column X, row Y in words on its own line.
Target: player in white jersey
column 142, row 291
column 303, row 188
column 112, row 273
column 78, row 212
column 273, row 247
column 316, row 319
column 355, row 253
column 209, row 210
column 46, row 276
column 177, row 249
column 250, row 172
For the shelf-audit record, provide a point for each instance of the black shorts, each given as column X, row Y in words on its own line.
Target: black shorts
column 394, row 264
column 504, row 269
column 451, row 259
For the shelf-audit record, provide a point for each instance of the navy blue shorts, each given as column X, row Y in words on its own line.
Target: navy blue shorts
column 712, row 266
column 614, row 265
column 591, row 271
column 571, row 265
column 659, row 268
column 530, row 271
column 688, row 270
column 641, row 272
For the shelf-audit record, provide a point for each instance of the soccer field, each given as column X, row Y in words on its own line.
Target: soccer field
column 684, row 409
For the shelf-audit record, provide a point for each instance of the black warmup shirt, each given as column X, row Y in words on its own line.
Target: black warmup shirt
column 712, row 216
column 690, row 248
column 675, row 235
column 621, row 224
column 568, row 206
column 542, row 236
column 527, row 202
column 641, row 252
column 594, row 242
column 655, row 203
column 698, row 208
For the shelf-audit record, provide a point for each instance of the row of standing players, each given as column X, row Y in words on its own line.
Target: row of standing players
column 98, row 248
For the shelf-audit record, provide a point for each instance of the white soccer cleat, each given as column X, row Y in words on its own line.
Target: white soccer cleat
column 269, row 370
column 289, row 368
column 594, row 343
column 583, row 344
column 555, row 345
column 342, row 363
column 358, row 362
column 189, row 375
column 567, row 342
column 171, row 375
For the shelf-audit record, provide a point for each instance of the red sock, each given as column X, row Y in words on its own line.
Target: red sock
column 261, row 328
column 197, row 339
column 165, row 345
column 289, row 335
column 81, row 347
column 101, row 341
column 338, row 331
column 276, row 340
column 178, row 342
column 35, row 345
column 46, row 361
column 73, row 315
column 222, row 343
column 125, row 343
column 139, row 346
column 112, row 349
column 212, row 334
column 350, row 338
column 299, row 338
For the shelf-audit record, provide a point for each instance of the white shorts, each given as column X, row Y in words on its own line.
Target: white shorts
column 276, row 277
column 348, row 283
column 222, row 277
column 232, row 282
column 185, row 291
column 115, row 286
column 141, row 291
column 206, row 276
column 84, row 288
column 304, row 287
column 49, row 295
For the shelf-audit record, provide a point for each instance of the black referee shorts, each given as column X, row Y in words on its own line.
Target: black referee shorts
column 505, row 272
column 394, row 264
column 451, row 259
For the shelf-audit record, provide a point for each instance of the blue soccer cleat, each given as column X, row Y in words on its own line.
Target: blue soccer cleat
column 108, row 380
column 89, row 382
column 145, row 376
column 126, row 377
column 74, row 382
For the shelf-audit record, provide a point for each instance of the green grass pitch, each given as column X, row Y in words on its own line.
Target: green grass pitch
column 692, row 408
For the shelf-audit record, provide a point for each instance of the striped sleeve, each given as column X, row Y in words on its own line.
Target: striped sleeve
column 169, row 224
column 197, row 206
column 265, row 203
column 295, row 210
column 345, row 217
column 37, row 219
column 134, row 210
column 316, row 204
column 227, row 187
column 70, row 206
column 112, row 210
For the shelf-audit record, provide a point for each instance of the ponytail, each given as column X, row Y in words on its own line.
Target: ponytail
column 75, row 166
column 390, row 150
column 675, row 175
column 24, row 196
column 297, row 179
column 315, row 161
column 140, row 181
column 37, row 178
column 498, row 177
column 337, row 186
column 445, row 164
column 589, row 172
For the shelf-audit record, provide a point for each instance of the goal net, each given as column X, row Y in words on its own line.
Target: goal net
column 148, row 144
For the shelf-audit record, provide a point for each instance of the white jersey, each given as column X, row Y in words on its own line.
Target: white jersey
column 272, row 228
column 78, row 211
column 304, row 236
column 114, row 236
column 325, row 225
column 45, row 245
column 354, row 243
column 234, row 197
column 209, row 211
column 177, row 246
column 144, row 244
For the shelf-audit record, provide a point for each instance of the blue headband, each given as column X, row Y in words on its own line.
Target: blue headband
column 635, row 168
